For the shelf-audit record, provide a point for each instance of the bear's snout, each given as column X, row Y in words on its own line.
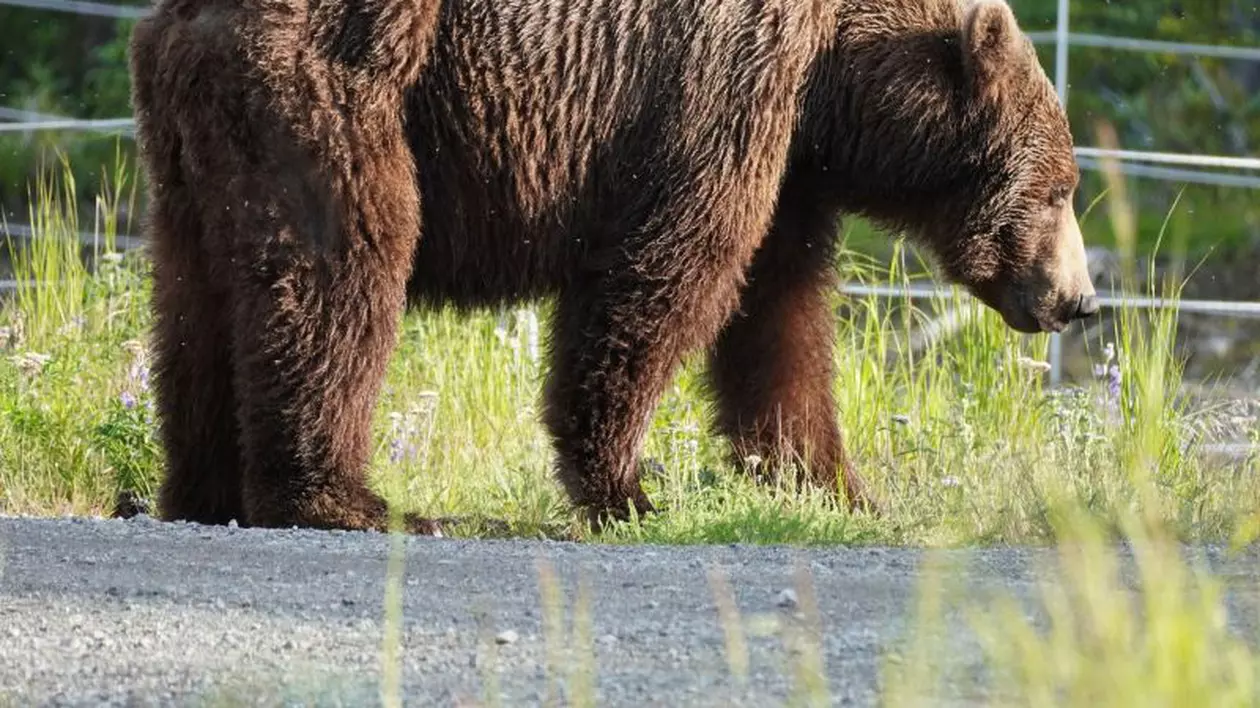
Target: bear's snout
column 1060, row 291
column 1086, row 307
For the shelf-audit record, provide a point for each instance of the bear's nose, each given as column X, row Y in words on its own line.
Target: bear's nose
column 1086, row 306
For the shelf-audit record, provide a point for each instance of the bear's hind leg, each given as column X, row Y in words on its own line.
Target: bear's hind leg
column 191, row 338
column 290, row 125
column 192, row 368
column 771, row 367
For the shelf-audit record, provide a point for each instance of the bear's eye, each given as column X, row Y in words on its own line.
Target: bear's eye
column 1059, row 195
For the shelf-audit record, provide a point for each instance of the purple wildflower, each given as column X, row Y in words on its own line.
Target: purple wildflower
column 139, row 375
column 405, row 435
column 1108, row 373
column 1109, row 353
column 136, row 385
column 1113, row 381
column 401, row 443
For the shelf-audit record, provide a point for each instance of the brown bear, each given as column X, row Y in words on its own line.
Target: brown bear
column 670, row 173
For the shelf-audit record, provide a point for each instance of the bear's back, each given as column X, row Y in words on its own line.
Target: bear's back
column 545, row 132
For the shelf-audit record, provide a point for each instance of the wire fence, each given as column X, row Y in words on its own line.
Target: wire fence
column 78, row 7
column 123, row 242
column 1163, row 166
column 1248, row 310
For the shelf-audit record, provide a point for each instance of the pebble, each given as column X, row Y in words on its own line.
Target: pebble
column 786, row 598
column 507, row 636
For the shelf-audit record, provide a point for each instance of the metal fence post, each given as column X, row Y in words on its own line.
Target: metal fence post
column 1061, row 87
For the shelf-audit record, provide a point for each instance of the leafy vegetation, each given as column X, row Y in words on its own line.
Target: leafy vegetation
column 458, row 431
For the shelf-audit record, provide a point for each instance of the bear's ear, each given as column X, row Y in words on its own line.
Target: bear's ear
column 990, row 43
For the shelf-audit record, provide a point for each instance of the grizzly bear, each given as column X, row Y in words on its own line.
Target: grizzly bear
column 670, row 174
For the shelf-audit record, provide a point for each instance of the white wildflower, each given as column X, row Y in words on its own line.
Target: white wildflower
column 30, row 363
column 1032, row 364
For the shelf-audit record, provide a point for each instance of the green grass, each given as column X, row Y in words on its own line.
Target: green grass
column 959, row 436
column 1142, row 627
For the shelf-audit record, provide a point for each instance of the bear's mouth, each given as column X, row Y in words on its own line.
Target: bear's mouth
column 1055, row 325
column 1031, row 315
column 1020, row 311
column 1023, row 320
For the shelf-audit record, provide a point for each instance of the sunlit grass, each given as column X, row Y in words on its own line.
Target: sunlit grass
column 956, row 431
column 1125, row 617
column 457, row 429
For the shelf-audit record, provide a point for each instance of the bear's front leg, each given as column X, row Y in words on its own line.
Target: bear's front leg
column 772, row 368
column 619, row 336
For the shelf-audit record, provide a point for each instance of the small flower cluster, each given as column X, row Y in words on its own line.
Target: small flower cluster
column 137, row 383
column 402, row 437
column 405, row 429
column 30, row 363
column 1111, row 374
column 13, row 336
column 72, row 326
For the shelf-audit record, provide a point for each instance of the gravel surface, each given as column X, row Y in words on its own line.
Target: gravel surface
column 111, row 612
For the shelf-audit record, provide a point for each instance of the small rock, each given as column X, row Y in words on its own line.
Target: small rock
column 786, row 598
column 507, row 636
column 129, row 504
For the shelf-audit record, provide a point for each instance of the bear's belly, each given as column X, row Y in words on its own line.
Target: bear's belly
column 501, row 224
column 482, row 268
column 479, row 248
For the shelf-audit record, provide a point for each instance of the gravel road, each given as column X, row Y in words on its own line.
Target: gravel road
column 136, row 612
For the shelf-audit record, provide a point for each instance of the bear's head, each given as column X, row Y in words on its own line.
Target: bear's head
column 939, row 120
column 1015, row 242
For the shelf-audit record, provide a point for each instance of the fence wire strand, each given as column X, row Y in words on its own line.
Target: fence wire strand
column 82, row 7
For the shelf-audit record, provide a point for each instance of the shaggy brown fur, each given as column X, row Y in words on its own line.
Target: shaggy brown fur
column 284, row 217
column 670, row 172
